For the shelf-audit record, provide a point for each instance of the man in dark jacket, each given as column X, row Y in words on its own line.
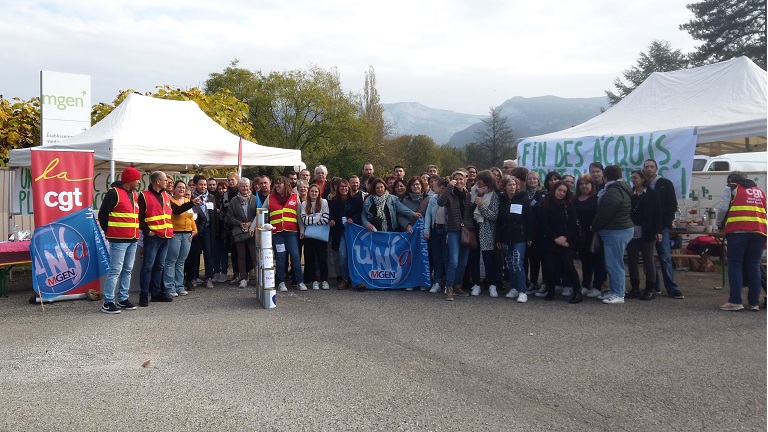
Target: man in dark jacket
column 668, row 201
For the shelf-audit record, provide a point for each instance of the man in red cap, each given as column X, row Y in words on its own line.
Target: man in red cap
column 119, row 218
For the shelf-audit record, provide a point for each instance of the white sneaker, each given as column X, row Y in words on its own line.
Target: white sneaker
column 423, row 288
column 558, row 289
column 566, row 292
column 325, row 285
column 522, row 298
column 174, row 294
column 542, row 292
column 584, row 291
column 493, row 291
column 302, row 287
column 604, row 296
column 435, row 288
column 282, row 287
column 475, row 290
column 512, row 293
column 221, row 278
column 315, row 285
column 182, row 292
column 243, row 283
column 613, row 299
column 409, row 289
column 592, row 293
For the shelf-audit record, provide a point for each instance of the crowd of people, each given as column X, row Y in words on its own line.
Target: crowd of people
column 518, row 226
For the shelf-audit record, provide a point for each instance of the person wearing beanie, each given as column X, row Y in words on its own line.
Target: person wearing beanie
column 119, row 219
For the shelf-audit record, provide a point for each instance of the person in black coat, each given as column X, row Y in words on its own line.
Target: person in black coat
column 514, row 233
column 646, row 216
column 558, row 226
column 343, row 208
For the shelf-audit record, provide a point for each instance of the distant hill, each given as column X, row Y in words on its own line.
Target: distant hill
column 527, row 116
column 413, row 118
column 537, row 116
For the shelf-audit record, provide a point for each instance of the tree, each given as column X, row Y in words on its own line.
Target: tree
column 19, row 125
column 729, row 29
column 494, row 142
column 305, row 110
column 372, row 108
column 660, row 58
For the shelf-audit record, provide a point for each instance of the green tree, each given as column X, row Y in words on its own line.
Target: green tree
column 659, row 58
column 414, row 153
column 494, row 143
column 19, row 125
column 448, row 159
column 729, row 29
column 302, row 109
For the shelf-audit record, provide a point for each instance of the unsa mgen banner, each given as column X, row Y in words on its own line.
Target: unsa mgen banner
column 387, row 260
column 672, row 150
column 62, row 183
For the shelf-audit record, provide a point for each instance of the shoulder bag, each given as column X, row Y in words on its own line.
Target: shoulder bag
column 468, row 238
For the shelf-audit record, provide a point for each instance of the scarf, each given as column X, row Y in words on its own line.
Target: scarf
column 201, row 211
column 379, row 202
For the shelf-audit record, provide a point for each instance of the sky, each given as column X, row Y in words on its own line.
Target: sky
column 458, row 55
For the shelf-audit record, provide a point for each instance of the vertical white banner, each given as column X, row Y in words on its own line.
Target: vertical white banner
column 65, row 105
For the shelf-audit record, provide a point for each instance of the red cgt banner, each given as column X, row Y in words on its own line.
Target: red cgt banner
column 62, row 183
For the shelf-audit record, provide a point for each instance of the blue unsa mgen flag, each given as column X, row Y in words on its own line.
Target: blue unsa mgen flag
column 67, row 254
column 387, row 260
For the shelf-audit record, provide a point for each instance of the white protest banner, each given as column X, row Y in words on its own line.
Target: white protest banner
column 672, row 150
column 65, row 105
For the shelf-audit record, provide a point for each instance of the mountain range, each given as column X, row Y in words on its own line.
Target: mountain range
column 526, row 116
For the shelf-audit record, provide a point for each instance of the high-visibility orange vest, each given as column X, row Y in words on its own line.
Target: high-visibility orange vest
column 123, row 220
column 284, row 218
column 747, row 212
column 158, row 216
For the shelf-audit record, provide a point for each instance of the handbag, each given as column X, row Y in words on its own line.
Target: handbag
column 596, row 244
column 317, row 232
column 468, row 237
column 238, row 235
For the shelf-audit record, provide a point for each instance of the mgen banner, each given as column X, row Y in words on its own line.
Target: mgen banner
column 67, row 255
column 387, row 260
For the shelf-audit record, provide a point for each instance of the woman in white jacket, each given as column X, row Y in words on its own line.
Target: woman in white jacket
column 315, row 216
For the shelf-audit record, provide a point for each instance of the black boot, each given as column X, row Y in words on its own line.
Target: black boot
column 576, row 296
column 550, row 292
column 635, row 291
column 649, row 293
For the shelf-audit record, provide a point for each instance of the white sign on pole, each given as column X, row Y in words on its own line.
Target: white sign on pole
column 65, row 105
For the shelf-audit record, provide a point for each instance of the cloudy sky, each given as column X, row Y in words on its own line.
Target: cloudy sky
column 460, row 55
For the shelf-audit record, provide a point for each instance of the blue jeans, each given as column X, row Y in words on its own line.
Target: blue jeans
column 438, row 252
column 121, row 257
column 173, row 273
column 666, row 264
column 514, row 256
column 614, row 244
column 343, row 259
column 745, row 251
column 288, row 241
column 457, row 259
column 155, row 251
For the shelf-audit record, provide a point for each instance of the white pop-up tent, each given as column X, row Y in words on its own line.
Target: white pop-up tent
column 725, row 103
column 168, row 135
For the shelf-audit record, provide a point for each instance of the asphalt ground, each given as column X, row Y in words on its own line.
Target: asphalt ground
column 383, row 361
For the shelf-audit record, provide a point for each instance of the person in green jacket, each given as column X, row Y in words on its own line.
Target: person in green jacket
column 614, row 225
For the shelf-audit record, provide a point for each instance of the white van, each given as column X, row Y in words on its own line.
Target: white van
column 732, row 162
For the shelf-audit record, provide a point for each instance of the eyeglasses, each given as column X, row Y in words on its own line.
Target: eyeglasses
column 532, row 178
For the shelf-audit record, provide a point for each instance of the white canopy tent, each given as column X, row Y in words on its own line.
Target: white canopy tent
column 159, row 134
column 725, row 103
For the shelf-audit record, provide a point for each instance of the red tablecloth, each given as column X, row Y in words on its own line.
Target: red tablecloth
column 13, row 252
